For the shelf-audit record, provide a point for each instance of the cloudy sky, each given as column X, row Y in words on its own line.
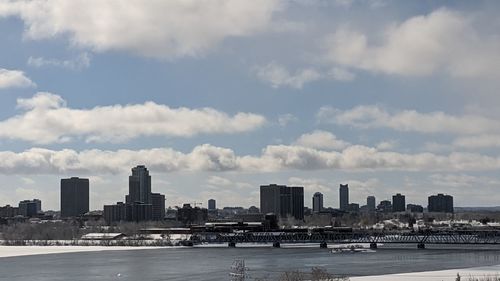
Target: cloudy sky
column 218, row 97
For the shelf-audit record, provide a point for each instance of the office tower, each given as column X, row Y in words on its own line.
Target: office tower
column 398, row 203
column 440, row 203
column 385, row 206
column 74, row 197
column 29, row 208
column 344, row 197
column 115, row 213
column 317, row 202
column 282, row 200
column 371, row 204
column 297, row 198
column 158, row 202
column 139, row 185
column 212, row 205
column 353, row 207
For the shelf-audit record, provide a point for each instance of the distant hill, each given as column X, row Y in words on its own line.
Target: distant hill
column 477, row 209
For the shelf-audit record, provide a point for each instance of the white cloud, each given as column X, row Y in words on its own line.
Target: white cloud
column 162, row 29
column 14, row 79
column 443, row 41
column 278, row 76
column 387, row 145
column 310, row 185
column 341, row 74
column 285, row 119
column 321, row 140
column 80, row 62
column 462, row 180
column 46, row 119
column 218, row 159
column 480, row 141
column 365, row 117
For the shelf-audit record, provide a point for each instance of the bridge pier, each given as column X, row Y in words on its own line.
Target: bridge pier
column 373, row 246
column 276, row 244
column 323, row 245
column 420, row 246
column 231, row 244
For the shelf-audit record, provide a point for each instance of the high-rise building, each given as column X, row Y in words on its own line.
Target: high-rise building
column 282, row 200
column 344, row 197
column 440, row 203
column 115, row 213
column 371, row 203
column 398, row 203
column 158, row 202
column 385, row 206
column 29, row 208
column 139, row 185
column 74, row 197
column 317, row 202
column 212, row 205
column 412, row 208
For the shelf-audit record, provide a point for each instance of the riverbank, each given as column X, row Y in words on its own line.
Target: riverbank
column 16, row 251
column 441, row 275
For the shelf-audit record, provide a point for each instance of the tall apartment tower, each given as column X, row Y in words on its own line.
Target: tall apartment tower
column 282, row 200
column 344, row 197
column 440, row 203
column 371, row 203
column 398, row 203
column 212, row 205
column 139, row 185
column 74, row 197
column 317, row 202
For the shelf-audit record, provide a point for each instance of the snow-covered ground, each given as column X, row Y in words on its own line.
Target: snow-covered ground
column 441, row 275
column 14, row 251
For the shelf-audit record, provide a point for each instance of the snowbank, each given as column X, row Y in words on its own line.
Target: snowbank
column 15, row 251
column 441, row 275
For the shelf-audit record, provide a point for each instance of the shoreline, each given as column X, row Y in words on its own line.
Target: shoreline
column 18, row 251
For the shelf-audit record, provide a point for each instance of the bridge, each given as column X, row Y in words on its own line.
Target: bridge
column 372, row 237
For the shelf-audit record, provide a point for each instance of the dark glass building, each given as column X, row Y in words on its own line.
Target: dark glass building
column 29, row 208
column 282, row 200
column 74, row 197
column 212, row 204
column 440, row 203
column 139, row 185
column 317, row 202
column 344, row 197
column 371, row 203
column 158, row 202
column 398, row 203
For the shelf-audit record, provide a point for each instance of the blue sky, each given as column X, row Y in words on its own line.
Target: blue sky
column 219, row 97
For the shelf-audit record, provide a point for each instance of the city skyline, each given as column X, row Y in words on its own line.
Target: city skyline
column 300, row 93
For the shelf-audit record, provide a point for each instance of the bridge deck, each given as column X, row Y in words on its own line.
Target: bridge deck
column 431, row 237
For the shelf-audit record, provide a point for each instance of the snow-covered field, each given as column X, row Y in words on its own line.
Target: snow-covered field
column 15, row 251
column 442, row 275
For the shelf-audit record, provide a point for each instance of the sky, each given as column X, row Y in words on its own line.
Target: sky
column 219, row 97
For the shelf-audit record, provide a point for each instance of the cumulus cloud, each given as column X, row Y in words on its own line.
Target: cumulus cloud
column 218, row 159
column 47, row 119
column 321, row 140
column 442, row 41
column 161, row 29
column 14, row 79
column 80, row 62
column 366, row 117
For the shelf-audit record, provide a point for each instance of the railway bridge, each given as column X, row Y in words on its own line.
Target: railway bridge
column 372, row 237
